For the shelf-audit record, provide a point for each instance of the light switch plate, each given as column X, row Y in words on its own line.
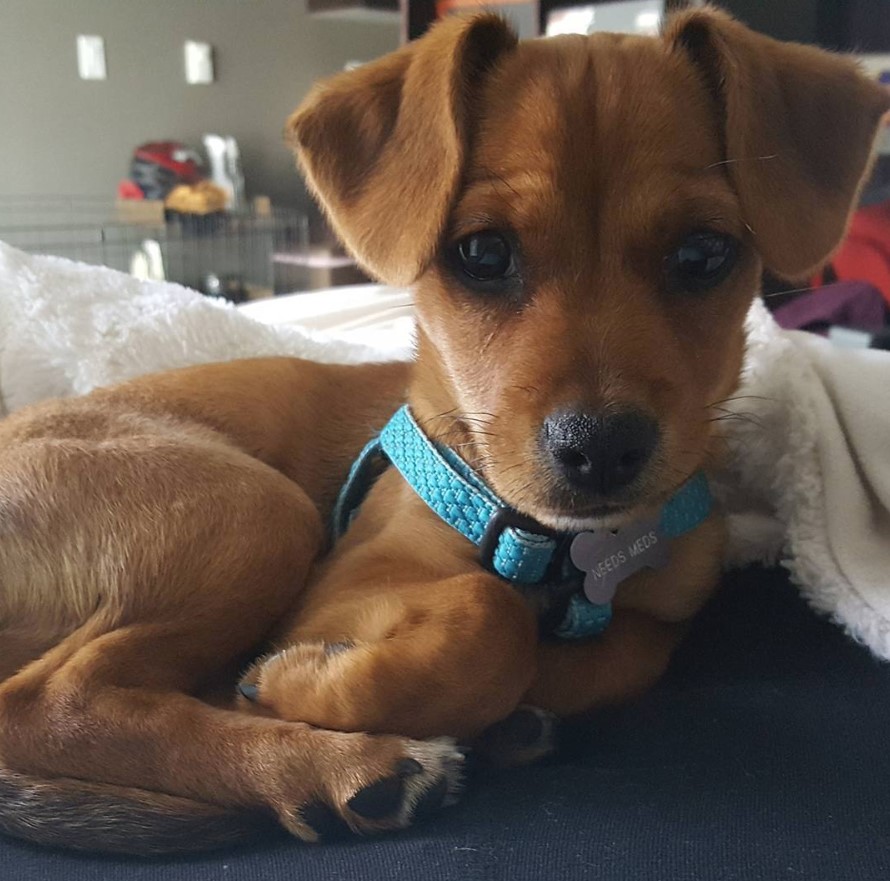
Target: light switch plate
column 198, row 62
column 91, row 57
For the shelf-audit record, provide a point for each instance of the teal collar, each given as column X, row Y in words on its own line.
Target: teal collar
column 513, row 546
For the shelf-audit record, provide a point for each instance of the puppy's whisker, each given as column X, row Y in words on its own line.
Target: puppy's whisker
column 512, row 467
column 772, row 294
column 444, row 415
column 489, row 339
column 741, row 159
column 744, row 398
column 477, row 431
column 727, row 415
column 746, row 418
column 737, row 418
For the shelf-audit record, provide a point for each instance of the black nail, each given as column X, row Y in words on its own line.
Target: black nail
column 325, row 822
column 248, row 690
column 432, row 800
column 409, row 768
column 379, row 800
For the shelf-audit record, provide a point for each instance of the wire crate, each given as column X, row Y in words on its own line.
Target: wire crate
column 223, row 253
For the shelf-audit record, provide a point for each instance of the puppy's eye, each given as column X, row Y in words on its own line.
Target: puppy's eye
column 703, row 260
column 485, row 256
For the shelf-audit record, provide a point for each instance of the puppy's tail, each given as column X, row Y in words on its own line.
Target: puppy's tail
column 79, row 815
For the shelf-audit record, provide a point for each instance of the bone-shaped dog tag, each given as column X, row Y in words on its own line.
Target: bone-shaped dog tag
column 609, row 558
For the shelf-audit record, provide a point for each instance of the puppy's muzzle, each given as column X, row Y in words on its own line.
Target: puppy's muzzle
column 599, row 454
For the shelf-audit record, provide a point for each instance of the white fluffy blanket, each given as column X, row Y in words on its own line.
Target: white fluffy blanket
column 808, row 484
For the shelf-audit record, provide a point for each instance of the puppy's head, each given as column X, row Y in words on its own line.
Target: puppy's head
column 585, row 221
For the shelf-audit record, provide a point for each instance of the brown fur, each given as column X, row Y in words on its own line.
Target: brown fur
column 152, row 536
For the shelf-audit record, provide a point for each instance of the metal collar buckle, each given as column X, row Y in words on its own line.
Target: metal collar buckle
column 502, row 519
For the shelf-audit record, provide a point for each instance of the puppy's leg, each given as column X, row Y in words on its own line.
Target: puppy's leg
column 113, row 712
column 445, row 657
column 574, row 678
column 625, row 661
column 184, row 556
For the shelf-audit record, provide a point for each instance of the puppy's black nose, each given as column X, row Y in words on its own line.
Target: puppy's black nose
column 599, row 454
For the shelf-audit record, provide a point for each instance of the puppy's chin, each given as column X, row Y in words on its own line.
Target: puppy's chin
column 574, row 513
column 604, row 517
column 563, row 523
column 567, row 510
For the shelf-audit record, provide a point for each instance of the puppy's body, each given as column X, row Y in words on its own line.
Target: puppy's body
column 69, row 468
column 154, row 535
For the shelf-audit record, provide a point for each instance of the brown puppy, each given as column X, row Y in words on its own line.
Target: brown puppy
column 598, row 170
column 585, row 220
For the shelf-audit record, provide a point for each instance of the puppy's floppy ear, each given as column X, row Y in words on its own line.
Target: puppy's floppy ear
column 798, row 125
column 384, row 146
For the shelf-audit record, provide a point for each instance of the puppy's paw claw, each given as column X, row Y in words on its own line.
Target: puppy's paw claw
column 249, row 691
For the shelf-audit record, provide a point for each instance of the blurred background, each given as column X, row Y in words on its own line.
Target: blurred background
column 147, row 135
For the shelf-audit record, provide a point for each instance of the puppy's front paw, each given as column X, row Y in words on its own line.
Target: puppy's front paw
column 373, row 784
column 369, row 783
column 312, row 682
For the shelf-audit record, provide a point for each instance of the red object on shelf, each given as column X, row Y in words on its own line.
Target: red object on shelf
column 127, row 189
column 865, row 252
column 176, row 157
column 159, row 166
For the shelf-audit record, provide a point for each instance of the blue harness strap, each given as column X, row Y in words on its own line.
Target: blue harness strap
column 514, row 547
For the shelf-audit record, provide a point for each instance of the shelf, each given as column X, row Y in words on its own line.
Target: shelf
column 356, row 10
